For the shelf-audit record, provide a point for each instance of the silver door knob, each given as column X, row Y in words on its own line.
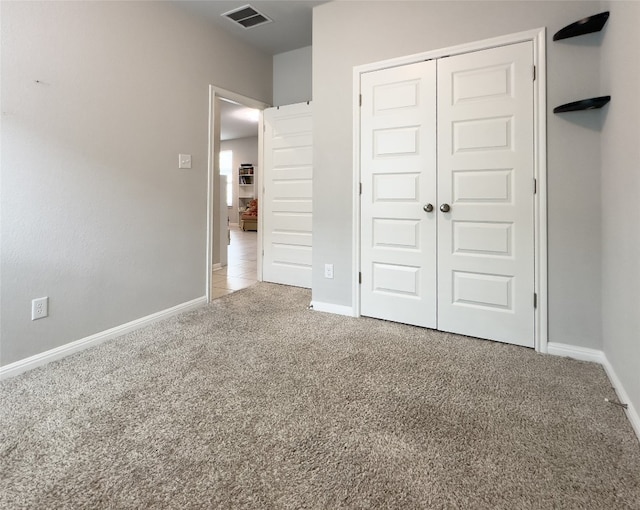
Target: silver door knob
column 445, row 208
column 428, row 208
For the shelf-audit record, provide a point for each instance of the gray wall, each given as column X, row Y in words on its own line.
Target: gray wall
column 391, row 29
column 292, row 77
column 245, row 150
column 95, row 213
column 621, row 195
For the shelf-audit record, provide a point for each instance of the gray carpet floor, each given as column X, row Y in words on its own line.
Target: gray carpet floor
column 255, row 401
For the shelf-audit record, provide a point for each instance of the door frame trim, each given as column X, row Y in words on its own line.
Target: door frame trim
column 212, row 168
column 538, row 37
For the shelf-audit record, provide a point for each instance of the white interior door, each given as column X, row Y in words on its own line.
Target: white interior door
column 468, row 265
column 398, row 174
column 485, row 176
column 287, row 199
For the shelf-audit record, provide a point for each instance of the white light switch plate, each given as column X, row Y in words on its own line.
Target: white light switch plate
column 184, row 160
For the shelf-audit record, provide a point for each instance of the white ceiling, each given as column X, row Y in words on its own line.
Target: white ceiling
column 236, row 121
column 290, row 30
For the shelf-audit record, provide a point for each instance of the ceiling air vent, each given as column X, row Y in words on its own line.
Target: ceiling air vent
column 247, row 17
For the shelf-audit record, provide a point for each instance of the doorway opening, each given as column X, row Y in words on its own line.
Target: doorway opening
column 232, row 116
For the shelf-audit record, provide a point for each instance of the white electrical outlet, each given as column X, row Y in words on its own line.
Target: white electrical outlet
column 184, row 160
column 328, row 270
column 39, row 308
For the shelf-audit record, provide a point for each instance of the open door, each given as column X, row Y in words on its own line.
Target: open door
column 286, row 205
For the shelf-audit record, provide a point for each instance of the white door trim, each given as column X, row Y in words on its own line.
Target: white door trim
column 214, row 243
column 538, row 37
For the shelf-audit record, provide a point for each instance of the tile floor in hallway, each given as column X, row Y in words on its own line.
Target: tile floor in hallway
column 241, row 270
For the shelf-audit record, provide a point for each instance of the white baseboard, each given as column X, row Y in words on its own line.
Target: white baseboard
column 584, row 354
column 623, row 396
column 575, row 352
column 43, row 358
column 331, row 308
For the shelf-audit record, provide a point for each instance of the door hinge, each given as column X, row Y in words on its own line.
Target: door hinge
column 535, row 186
column 534, row 73
column 360, row 99
column 535, row 300
column 359, row 277
column 361, row 188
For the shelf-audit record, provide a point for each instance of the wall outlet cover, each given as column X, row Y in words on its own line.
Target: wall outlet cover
column 328, row 270
column 39, row 308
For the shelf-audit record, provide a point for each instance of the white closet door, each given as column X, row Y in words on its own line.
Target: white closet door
column 485, row 176
column 398, row 158
column 287, row 199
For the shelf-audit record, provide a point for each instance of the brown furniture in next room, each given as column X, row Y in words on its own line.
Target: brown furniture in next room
column 249, row 218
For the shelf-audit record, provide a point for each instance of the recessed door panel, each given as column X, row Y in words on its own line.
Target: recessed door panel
column 396, row 187
column 291, row 188
column 292, row 156
column 395, row 233
column 294, row 221
column 291, row 255
column 391, row 97
column 394, row 279
column 292, row 126
column 481, row 186
column 482, row 134
column 291, row 238
column 395, row 142
column 482, row 290
column 488, row 82
column 483, row 238
column 291, row 173
column 290, row 205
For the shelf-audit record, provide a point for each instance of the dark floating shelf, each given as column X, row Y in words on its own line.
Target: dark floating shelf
column 584, row 104
column 584, row 26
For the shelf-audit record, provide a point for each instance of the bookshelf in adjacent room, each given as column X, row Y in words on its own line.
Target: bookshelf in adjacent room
column 246, row 185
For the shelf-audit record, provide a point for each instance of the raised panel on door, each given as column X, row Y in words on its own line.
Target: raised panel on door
column 485, row 174
column 398, row 156
column 287, row 199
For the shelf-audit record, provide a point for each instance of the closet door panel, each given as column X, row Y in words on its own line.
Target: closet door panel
column 485, row 176
column 398, row 158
